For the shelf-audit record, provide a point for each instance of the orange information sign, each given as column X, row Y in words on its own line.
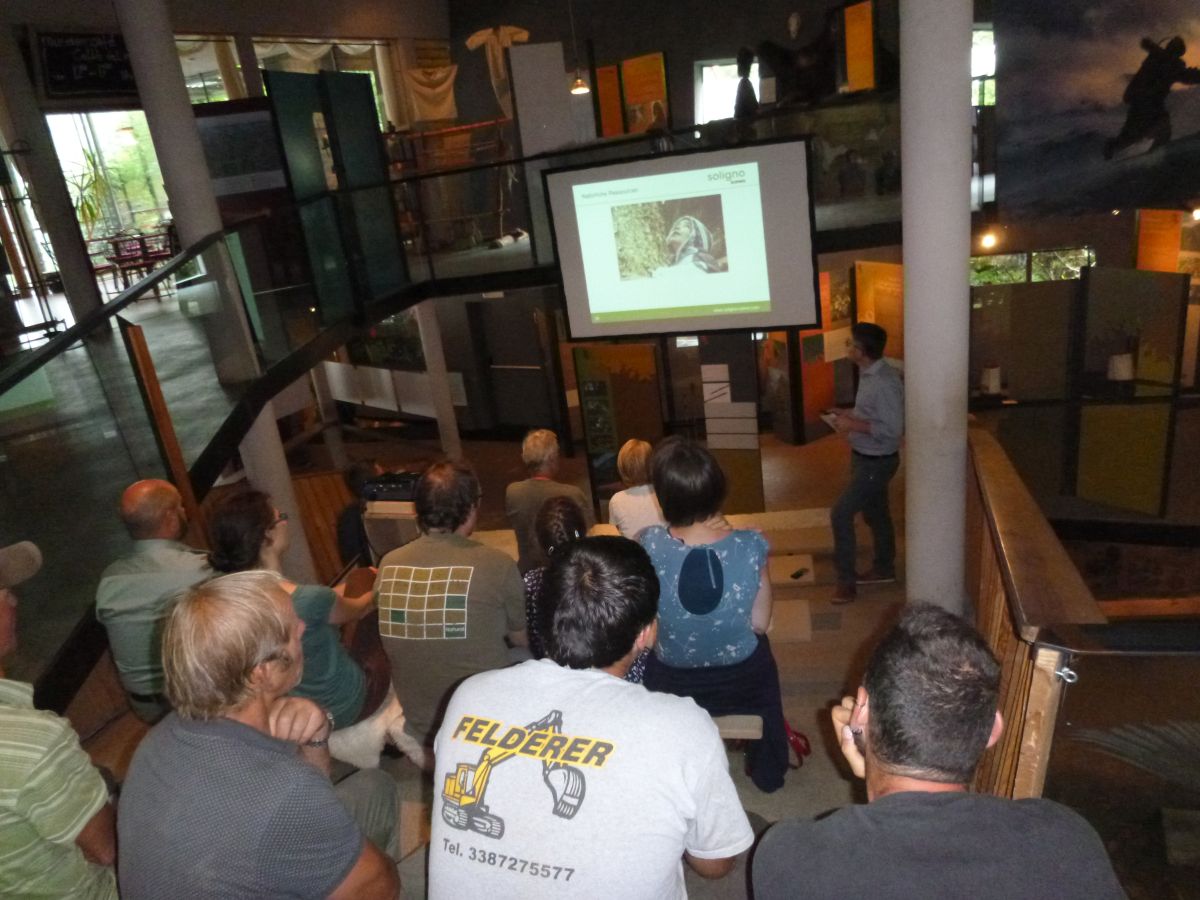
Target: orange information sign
column 860, row 46
column 608, row 96
column 1159, row 234
column 644, row 87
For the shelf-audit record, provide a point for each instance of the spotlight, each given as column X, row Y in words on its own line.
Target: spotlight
column 1196, row 213
column 579, row 86
column 988, row 241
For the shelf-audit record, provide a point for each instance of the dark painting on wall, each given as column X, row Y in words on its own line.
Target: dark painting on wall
column 1098, row 104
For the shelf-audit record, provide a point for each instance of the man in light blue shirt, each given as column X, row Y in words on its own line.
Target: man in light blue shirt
column 135, row 591
column 874, row 429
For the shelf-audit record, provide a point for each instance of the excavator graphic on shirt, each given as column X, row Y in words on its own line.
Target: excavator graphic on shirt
column 463, row 792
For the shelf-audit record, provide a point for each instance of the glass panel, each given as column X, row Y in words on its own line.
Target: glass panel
column 1123, row 455
column 718, row 90
column 70, row 442
column 273, row 272
column 1035, row 440
column 202, row 357
column 1025, row 331
column 472, row 225
column 1124, row 756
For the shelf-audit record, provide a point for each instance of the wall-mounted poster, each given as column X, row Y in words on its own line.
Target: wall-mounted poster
column 644, row 87
column 608, row 99
column 1098, row 104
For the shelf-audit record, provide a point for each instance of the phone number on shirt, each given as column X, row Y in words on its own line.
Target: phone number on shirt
column 509, row 863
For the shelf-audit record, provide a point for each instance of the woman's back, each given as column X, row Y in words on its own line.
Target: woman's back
column 707, row 596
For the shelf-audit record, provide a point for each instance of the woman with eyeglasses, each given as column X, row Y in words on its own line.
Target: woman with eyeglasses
column 246, row 531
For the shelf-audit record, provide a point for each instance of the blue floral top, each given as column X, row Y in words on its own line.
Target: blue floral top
column 707, row 594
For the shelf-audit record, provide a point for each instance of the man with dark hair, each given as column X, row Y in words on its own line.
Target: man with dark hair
column 134, row 591
column 447, row 603
column 606, row 789
column 874, row 428
column 925, row 713
column 229, row 796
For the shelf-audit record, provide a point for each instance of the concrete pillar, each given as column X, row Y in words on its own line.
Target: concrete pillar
column 227, row 66
column 146, row 27
column 439, row 382
column 43, row 174
column 935, row 142
column 331, row 425
column 267, row 470
column 248, row 60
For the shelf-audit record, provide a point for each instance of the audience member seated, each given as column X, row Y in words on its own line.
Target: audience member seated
column 229, row 795
column 715, row 607
column 523, row 499
column 925, row 713
column 559, row 522
column 57, row 830
column 246, row 532
column 134, row 591
column 351, row 535
column 635, row 508
column 447, row 603
column 606, row 789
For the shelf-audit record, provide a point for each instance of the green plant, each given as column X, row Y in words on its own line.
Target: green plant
column 91, row 189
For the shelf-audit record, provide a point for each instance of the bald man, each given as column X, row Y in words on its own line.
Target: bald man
column 136, row 590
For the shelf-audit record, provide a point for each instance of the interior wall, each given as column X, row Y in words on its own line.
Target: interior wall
column 620, row 29
column 299, row 18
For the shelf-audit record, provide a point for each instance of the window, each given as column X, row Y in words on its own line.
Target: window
column 999, row 268
column 716, row 89
column 1061, row 265
column 983, row 67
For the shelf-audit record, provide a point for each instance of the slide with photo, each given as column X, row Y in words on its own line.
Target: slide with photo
column 696, row 241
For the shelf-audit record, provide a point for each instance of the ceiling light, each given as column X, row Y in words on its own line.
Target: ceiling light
column 579, row 86
column 988, row 241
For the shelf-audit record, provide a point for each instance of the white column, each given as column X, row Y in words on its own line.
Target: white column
column 41, row 169
column 267, row 471
column 935, row 142
column 146, row 27
column 439, row 383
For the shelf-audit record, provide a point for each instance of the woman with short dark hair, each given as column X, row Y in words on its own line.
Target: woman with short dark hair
column 715, row 606
column 246, row 531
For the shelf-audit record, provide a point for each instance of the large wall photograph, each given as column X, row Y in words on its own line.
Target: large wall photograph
column 1098, row 104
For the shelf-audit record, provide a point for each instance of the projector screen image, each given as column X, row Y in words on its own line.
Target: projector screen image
column 697, row 241
column 664, row 234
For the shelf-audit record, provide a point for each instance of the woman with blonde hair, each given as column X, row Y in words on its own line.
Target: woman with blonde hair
column 635, row 508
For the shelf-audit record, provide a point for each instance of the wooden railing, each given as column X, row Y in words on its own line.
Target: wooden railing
column 1022, row 582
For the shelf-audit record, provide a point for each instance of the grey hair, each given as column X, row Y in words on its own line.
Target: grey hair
column 217, row 633
column 539, row 450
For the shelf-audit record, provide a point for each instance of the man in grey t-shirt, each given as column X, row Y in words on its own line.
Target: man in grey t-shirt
column 924, row 715
column 229, row 796
column 446, row 603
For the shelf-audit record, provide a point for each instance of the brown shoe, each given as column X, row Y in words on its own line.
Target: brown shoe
column 844, row 593
column 874, row 576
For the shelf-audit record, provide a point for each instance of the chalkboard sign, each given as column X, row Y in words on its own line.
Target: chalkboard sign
column 85, row 65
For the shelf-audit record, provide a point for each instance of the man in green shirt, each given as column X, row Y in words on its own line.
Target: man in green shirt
column 57, row 834
column 135, row 591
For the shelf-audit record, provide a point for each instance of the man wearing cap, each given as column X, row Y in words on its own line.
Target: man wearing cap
column 135, row 590
column 57, row 834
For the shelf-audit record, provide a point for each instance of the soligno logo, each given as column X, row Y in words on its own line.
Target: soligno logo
column 731, row 176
